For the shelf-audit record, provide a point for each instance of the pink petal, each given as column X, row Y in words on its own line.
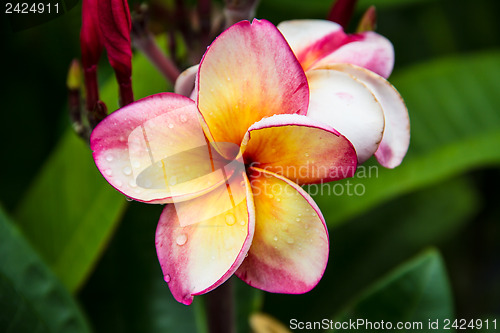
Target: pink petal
column 345, row 103
column 299, row 148
column 396, row 138
column 372, row 51
column 154, row 150
column 248, row 73
column 202, row 255
column 318, row 42
column 290, row 246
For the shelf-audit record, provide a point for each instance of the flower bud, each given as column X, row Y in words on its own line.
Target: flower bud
column 115, row 23
column 341, row 12
column 369, row 20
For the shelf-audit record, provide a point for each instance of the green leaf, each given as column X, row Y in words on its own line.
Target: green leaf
column 373, row 244
column 455, row 128
column 139, row 299
column 279, row 10
column 414, row 293
column 70, row 211
column 31, row 298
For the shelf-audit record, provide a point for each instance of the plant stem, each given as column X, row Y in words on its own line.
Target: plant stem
column 220, row 309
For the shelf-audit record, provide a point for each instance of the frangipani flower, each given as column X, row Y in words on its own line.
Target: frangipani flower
column 344, row 71
column 335, row 63
column 232, row 163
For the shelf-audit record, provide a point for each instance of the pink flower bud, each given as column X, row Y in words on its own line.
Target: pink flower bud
column 115, row 23
column 341, row 12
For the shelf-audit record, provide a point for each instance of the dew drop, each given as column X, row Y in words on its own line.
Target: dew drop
column 246, row 255
column 170, row 125
column 306, row 154
column 108, row 172
column 228, row 78
column 278, row 199
column 242, row 222
column 230, row 219
column 275, row 238
column 109, row 158
column 213, row 257
column 132, row 183
column 183, row 118
column 167, row 278
column 172, row 181
column 297, row 219
column 313, row 214
column 290, row 240
column 181, row 239
column 136, row 164
column 127, row 171
column 129, row 199
column 119, row 183
column 270, row 196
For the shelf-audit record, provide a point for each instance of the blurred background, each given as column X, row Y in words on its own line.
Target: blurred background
column 423, row 242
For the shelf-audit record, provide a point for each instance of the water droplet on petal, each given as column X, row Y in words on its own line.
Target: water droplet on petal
column 167, row 278
column 278, row 199
column 306, row 154
column 108, row 172
column 119, row 183
column 290, row 241
column 230, row 219
column 242, row 222
column 172, row 181
column 313, row 214
column 132, row 183
column 170, row 125
column 136, row 164
column 129, row 199
column 127, row 171
column 275, row 238
column 297, row 219
column 109, row 158
column 181, row 239
column 183, row 118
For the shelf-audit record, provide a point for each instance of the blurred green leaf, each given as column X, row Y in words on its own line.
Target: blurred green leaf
column 31, row 298
column 137, row 298
column 248, row 301
column 373, row 244
column 414, row 293
column 279, row 10
column 455, row 128
column 70, row 211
